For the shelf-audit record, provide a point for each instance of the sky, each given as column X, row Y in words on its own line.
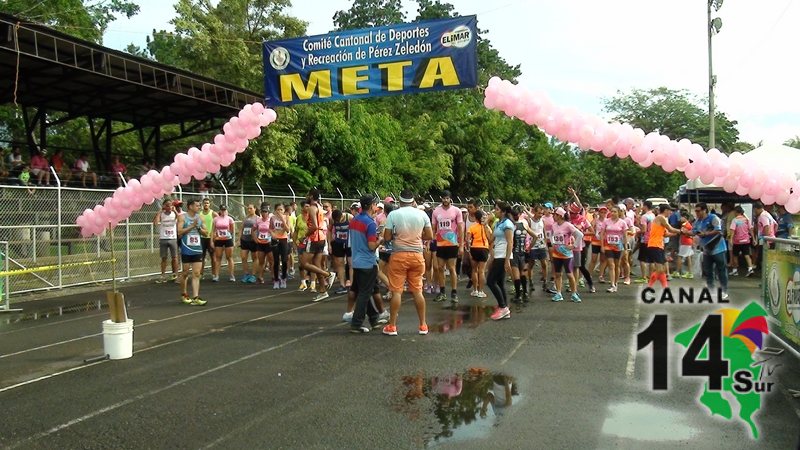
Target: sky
column 580, row 52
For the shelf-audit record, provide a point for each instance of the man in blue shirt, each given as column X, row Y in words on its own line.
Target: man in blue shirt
column 363, row 242
column 709, row 228
column 785, row 223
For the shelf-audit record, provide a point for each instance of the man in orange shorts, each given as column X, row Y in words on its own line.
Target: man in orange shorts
column 407, row 227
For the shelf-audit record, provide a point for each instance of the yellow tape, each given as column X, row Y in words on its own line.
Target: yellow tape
column 55, row 267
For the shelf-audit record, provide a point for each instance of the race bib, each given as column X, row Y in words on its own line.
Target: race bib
column 341, row 235
column 263, row 235
column 193, row 240
column 246, row 231
column 223, row 234
column 613, row 239
column 277, row 225
column 169, row 233
column 445, row 224
column 558, row 239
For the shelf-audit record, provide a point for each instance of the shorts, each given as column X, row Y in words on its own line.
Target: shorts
column 433, row 246
column 479, row 254
column 191, row 259
column 644, row 254
column 406, row 267
column 224, row 243
column 562, row 264
column 577, row 259
column 741, row 249
column 596, row 249
column 518, row 260
column 447, row 252
column 672, row 245
column 657, row 255
column 168, row 246
column 264, row 248
column 248, row 245
column 315, row 247
column 384, row 256
column 340, row 250
column 537, row 254
column 613, row 254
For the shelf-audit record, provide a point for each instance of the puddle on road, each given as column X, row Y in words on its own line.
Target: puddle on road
column 97, row 305
column 466, row 405
column 644, row 422
column 461, row 317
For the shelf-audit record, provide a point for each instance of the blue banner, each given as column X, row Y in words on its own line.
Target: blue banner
column 397, row 59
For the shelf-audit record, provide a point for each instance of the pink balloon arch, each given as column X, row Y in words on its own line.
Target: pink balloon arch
column 196, row 163
column 731, row 172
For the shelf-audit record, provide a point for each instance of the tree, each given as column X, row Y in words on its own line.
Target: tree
column 793, row 142
column 86, row 19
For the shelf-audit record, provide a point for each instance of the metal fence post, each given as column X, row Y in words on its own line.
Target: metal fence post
column 60, row 225
column 341, row 197
column 6, row 288
column 294, row 197
column 262, row 191
column 224, row 189
column 127, row 247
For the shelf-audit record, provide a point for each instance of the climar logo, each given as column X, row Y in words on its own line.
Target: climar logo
column 460, row 37
column 727, row 349
column 279, row 58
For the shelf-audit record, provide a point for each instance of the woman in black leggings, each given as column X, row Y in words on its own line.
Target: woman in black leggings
column 279, row 226
column 502, row 237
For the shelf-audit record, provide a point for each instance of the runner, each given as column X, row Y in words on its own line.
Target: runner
column 340, row 248
column 448, row 226
column 263, row 238
column 765, row 227
column 577, row 219
column 362, row 236
column 467, row 263
column 248, row 244
column 518, row 267
column 686, row 250
column 564, row 238
column 644, row 236
column 280, row 246
column 190, row 229
column 598, row 262
column 207, row 215
column 612, row 235
column 659, row 229
column 548, row 220
column 166, row 220
column 538, row 247
column 301, row 242
column 478, row 243
column 223, row 232
column 741, row 237
column 407, row 227
column 502, row 240
column 312, row 259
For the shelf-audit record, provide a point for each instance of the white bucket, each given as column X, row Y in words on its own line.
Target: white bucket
column 118, row 339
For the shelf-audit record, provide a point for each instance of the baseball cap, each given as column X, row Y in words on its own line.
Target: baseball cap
column 560, row 211
column 388, row 200
column 426, row 205
column 221, row 207
column 548, row 205
column 380, row 205
column 355, row 205
column 366, row 201
column 574, row 208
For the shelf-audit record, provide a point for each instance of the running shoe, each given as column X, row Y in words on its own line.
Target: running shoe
column 750, row 271
column 501, row 313
column 303, row 286
column 384, row 315
column 379, row 322
column 551, row 291
column 473, row 294
column 423, row 329
column 313, row 285
column 613, row 288
column 557, row 297
column 232, row 279
column 197, row 301
column 173, row 277
column 319, row 297
column 347, row 317
column 725, row 296
column 602, row 280
column 481, row 294
column 360, row 329
column 245, row 278
column 575, row 297
column 592, row 290
column 734, row 272
column 689, row 276
column 276, row 285
column 581, row 283
column 186, row 299
column 341, row 290
column 163, row 279
column 626, row 282
column 214, row 279
column 331, row 279
column 454, row 298
column 283, row 283
column 676, row 274
column 441, row 297
column 390, row 330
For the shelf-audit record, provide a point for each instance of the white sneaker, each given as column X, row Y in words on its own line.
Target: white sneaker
column 313, row 286
column 319, row 297
column 383, row 315
column 725, row 296
column 331, row 279
column 481, row 294
column 347, row 317
column 473, row 294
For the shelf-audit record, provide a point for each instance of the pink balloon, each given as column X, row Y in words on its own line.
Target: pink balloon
column 741, row 190
column 746, row 179
column 205, row 147
column 219, row 139
column 782, row 197
column 793, row 205
column 668, row 165
column 87, row 232
column 771, row 187
column 489, row 102
column 241, row 145
column 271, row 115
column 730, row 184
column 623, row 151
column 253, row 132
column 637, row 137
column 184, row 178
column 639, row 153
column 706, row 176
column 756, row 191
column 258, row 108
column 227, row 159
column 691, row 172
column 721, row 168
column 647, row 162
column 227, row 129
column 167, row 175
column 768, row 199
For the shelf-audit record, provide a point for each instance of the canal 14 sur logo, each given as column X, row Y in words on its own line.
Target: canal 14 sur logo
column 721, row 348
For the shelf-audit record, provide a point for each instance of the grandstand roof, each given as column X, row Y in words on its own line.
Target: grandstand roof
column 48, row 69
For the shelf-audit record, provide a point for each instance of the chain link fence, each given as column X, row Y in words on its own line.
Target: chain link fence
column 46, row 250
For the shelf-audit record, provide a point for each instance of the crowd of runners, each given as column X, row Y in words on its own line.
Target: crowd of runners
column 408, row 245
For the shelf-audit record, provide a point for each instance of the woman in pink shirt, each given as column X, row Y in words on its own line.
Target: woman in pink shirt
column 223, row 232
column 741, row 231
column 40, row 168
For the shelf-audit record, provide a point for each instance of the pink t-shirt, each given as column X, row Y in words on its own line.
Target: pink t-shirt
column 646, row 221
column 262, row 233
column 741, row 230
column 448, row 222
column 765, row 222
column 563, row 236
column 222, row 228
column 38, row 162
column 581, row 224
column 614, row 234
column 548, row 226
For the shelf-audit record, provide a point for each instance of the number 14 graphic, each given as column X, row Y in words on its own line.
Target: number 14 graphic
column 709, row 334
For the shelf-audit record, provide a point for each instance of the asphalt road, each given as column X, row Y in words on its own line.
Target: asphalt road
column 257, row 368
